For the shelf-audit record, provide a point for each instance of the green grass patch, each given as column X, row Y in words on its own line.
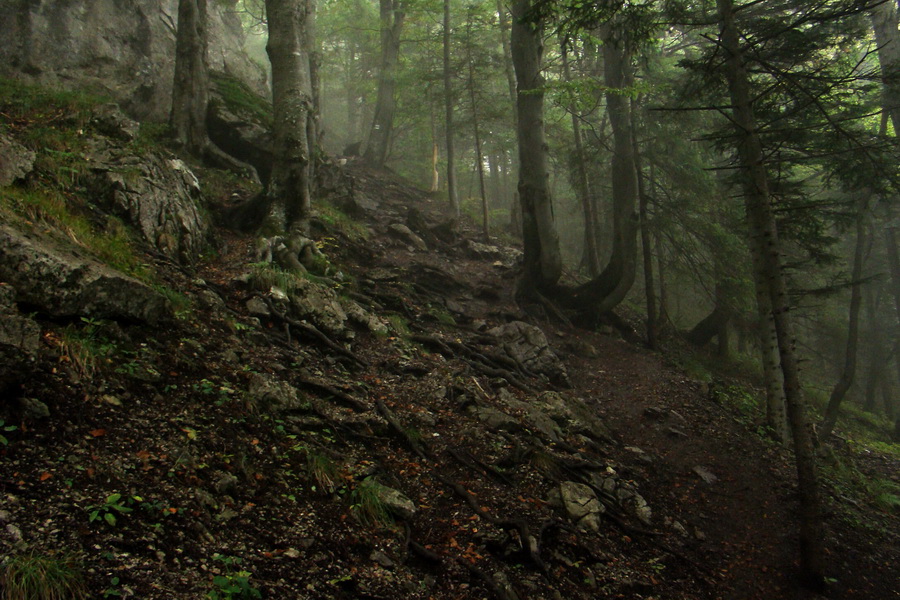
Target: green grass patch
column 43, row 208
column 24, row 104
column 33, row 576
column 338, row 220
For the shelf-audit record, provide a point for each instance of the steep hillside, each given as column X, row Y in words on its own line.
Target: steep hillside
column 181, row 419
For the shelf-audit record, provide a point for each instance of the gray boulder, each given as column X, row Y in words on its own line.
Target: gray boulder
column 62, row 282
column 580, row 504
column 16, row 161
column 271, row 396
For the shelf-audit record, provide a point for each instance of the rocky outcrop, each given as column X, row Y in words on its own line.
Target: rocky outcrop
column 159, row 196
column 62, row 283
column 528, row 347
column 123, row 47
column 241, row 137
column 16, row 161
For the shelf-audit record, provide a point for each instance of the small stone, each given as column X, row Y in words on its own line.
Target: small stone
column 705, row 475
column 14, row 532
column 382, row 559
column 257, row 307
column 34, row 408
column 292, row 553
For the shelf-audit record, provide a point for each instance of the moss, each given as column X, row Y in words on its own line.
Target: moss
column 240, row 99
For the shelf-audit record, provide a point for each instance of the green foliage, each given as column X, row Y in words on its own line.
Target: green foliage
column 399, row 325
column 233, row 583
column 114, row 504
column 241, row 100
column 33, row 576
column 4, row 428
column 85, row 347
column 368, row 506
column 26, row 104
column 180, row 302
column 321, row 469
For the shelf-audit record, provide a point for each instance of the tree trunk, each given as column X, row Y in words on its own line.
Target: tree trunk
column 591, row 259
column 543, row 261
column 190, row 91
column 288, row 50
column 392, row 17
column 646, row 248
column 515, row 216
column 876, row 353
column 887, row 38
column 767, row 267
column 607, row 290
column 452, row 194
column 846, row 379
column 479, row 157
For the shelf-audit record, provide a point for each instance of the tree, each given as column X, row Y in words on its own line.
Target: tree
column 543, row 262
column 190, row 92
column 289, row 45
column 452, row 194
column 768, row 271
column 392, row 18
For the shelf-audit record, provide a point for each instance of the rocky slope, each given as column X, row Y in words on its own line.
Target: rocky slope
column 197, row 423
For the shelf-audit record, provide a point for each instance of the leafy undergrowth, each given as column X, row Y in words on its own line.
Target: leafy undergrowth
column 161, row 470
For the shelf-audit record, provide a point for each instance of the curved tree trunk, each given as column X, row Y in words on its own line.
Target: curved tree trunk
column 392, row 17
column 543, row 261
column 288, row 48
column 887, row 37
column 767, row 267
column 607, row 290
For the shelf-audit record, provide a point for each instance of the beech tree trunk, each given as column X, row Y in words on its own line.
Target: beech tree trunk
column 452, row 194
column 392, row 17
column 190, row 92
column 292, row 101
column 543, row 261
column 767, row 267
column 849, row 372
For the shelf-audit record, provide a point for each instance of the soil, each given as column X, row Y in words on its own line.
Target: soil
column 219, row 494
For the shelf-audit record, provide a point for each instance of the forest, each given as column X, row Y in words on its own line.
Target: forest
column 513, row 299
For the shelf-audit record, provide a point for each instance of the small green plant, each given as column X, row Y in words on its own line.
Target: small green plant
column 322, row 469
column 115, row 504
column 368, row 506
column 5, row 429
column 233, row 582
column 399, row 325
column 265, row 276
column 33, row 576
column 112, row 591
column 84, row 346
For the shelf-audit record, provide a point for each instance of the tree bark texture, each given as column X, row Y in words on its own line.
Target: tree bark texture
column 288, row 50
column 190, row 92
column 767, row 267
column 392, row 18
column 543, row 261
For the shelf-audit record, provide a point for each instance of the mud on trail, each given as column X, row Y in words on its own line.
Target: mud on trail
column 460, row 454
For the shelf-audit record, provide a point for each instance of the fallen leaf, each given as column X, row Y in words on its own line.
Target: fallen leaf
column 98, row 432
column 45, row 476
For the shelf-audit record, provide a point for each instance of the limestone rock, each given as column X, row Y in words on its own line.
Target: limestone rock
column 581, row 504
column 19, row 340
column 408, row 236
column 394, row 500
column 16, row 161
column 109, row 120
column 159, row 196
column 270, row 395
column 320, row 306
column 527, row 345
column 125, row 48
column 61, row 282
